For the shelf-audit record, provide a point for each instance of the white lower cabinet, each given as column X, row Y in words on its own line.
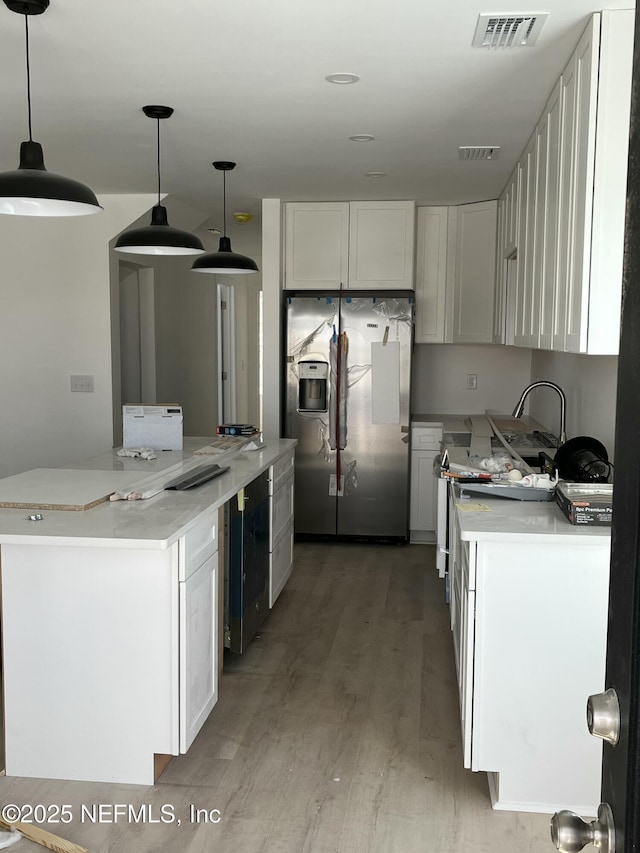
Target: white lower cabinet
column 423, row 502
column 281, row 503
column 198, row 649
column 529, row 625
column 281, row 564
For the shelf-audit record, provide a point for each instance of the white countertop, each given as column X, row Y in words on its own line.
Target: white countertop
column 461, row 423
column 153, row 523
column 524, row 521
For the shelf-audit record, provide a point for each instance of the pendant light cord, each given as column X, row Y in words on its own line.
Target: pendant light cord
column 26, row 26
column 158, row 158
column 224, row 202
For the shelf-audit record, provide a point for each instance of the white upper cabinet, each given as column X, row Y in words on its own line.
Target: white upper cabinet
column 572, row 199
column 431, row 274
column 359, row 244
column 317, row 245
column 472, row 234
column 526, row 244
column 581, row 113
column 549, row 134
column 456, row 273
column 506, row 261
column 381, row 244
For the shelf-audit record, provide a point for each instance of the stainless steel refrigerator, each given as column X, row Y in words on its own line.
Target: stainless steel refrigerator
column 348, row 382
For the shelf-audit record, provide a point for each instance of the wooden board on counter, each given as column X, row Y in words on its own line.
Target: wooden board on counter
column 507, row 423
column 61, row 488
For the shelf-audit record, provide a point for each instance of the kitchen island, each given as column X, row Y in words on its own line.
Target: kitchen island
column 529, row 596
column 110, row 622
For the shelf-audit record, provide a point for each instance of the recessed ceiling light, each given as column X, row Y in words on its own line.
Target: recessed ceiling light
column 362, row 137
column 375, row 174
column 342, row 79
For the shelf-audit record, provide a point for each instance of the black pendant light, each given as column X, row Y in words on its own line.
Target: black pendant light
column 225, row 261
column 159, row 238
column 30, row 190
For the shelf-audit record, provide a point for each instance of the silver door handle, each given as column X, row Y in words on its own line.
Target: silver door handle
column 603, row 716
column 570, row 833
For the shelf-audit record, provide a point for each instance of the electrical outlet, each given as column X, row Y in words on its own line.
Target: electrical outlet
column 82, row 383
column 472, row 381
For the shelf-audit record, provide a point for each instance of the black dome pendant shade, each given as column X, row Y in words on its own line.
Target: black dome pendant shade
column 30, row 190
column 225, row 261
column 159, row 238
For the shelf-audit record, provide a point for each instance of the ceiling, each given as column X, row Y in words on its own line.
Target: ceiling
column 247, row 81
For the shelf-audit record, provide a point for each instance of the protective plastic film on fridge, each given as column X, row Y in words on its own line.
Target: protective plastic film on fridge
column 348, row 378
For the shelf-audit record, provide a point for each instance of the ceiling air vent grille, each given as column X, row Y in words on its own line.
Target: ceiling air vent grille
column 478, row 152
column 516, row 30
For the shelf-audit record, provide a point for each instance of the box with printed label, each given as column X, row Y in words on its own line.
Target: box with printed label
column 158, row 426
column 583, row 503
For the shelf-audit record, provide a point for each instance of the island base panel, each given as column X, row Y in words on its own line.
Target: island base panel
column 90, row 661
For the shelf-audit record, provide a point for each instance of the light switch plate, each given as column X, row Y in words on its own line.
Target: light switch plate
column 82, row 383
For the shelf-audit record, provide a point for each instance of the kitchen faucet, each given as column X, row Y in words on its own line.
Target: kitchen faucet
column 517, row 412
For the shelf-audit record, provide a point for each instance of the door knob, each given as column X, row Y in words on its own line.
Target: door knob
column 570, row 833
column 603, row 716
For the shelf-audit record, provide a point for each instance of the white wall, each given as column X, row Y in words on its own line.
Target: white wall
column 55, row 322
column 271, row 290
column 589, row 383
column 186, row 326
column 440, row 378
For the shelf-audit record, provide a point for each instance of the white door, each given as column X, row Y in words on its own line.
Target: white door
column 226, row 355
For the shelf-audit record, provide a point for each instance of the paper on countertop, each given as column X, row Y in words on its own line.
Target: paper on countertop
column 256, row 444
column 466, row 507
column 138, row 452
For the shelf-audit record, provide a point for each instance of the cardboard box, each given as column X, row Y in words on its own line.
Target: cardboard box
column 157, row 426
column 583, row 503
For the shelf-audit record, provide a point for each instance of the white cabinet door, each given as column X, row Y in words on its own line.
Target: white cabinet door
column 610, row 180
column 585, row 71
column 280, row 564
column 198, row 650
column 474, row 272
column 512, row 212
column 548, row 214
column 424, row 495
column 506, row 262
column 431, row 275
column 499, row 328
column 317, row 245
column 565, row 203
column 467, row 628
column 526, row 244
column 381, row 243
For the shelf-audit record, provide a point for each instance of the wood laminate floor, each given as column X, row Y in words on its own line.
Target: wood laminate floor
column 336, row 732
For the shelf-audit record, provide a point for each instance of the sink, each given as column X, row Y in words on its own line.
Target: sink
column 457, row 439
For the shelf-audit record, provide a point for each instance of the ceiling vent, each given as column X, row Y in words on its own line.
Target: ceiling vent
column 516, row 30
column 478, row 152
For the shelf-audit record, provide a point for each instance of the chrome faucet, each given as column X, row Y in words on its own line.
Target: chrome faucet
column 517, row 412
